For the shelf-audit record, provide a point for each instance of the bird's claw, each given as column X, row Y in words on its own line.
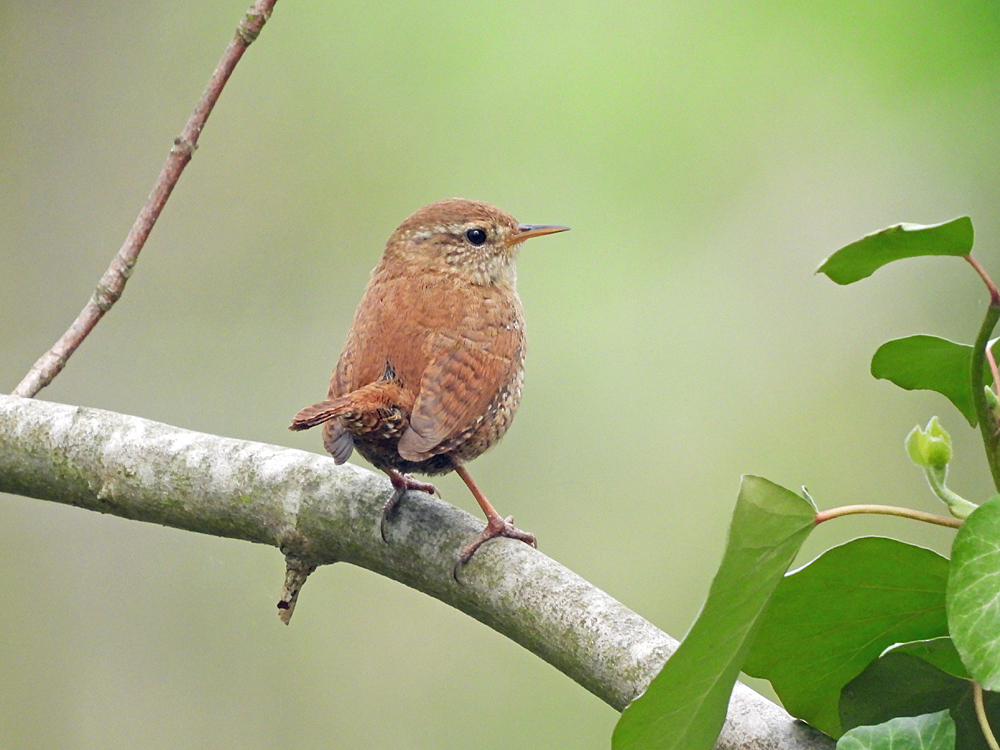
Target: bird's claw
column 401, row 484
column 495, row 527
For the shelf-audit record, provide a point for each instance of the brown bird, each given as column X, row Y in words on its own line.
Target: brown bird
column 431, row 373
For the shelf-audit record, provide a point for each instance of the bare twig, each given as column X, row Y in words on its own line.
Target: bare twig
column 316, row 513
column 112, row 283
column 296, row 573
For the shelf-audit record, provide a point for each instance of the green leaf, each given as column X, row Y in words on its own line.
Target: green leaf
column 940, row 652
column 685, row 704
column 900, row 684
column 862, row 258
column 974, row 593
column 929, row 363
column 929, row 732
column 830, row 618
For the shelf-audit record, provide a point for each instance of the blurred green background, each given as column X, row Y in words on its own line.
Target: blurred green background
column 707, row 157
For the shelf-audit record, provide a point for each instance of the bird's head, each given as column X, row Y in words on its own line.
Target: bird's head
column 470, row 239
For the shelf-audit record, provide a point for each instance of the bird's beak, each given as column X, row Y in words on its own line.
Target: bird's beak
column 527, row 231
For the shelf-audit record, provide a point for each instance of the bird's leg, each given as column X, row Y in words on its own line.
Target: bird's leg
column 400, row 484
column 496, row 525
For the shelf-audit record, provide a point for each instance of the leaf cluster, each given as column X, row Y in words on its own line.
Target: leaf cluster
column 877, row 642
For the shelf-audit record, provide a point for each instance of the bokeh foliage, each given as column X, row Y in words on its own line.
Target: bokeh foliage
column 706, row 158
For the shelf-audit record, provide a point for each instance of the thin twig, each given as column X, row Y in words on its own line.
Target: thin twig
column 112, row 283
column 888, row 510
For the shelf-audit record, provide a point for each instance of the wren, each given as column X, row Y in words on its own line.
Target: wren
column 432, row 370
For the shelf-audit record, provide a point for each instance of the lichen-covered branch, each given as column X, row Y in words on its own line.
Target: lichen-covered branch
column 316, row 513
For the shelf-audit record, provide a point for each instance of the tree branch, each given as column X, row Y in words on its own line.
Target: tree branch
column 112, row 284
column 317, row 513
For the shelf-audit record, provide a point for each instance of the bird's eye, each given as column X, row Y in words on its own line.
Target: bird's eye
column 476, row 236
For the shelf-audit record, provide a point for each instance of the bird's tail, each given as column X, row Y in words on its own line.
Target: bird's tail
column 319, row 413
column 369, row 406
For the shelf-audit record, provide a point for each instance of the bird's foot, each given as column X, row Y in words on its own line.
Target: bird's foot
column 495, row 526
column 401, row 484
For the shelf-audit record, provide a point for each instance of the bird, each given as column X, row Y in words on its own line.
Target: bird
column 432, row 370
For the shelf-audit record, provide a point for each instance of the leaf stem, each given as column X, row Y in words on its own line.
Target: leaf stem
column 991, row 360
column 887, row 510
column 984, row 723
column 987, row 424
column 958, row 505
column 994, row 293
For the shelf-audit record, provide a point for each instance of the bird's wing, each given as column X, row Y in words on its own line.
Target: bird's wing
column 456, row 390
column 384, row 323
